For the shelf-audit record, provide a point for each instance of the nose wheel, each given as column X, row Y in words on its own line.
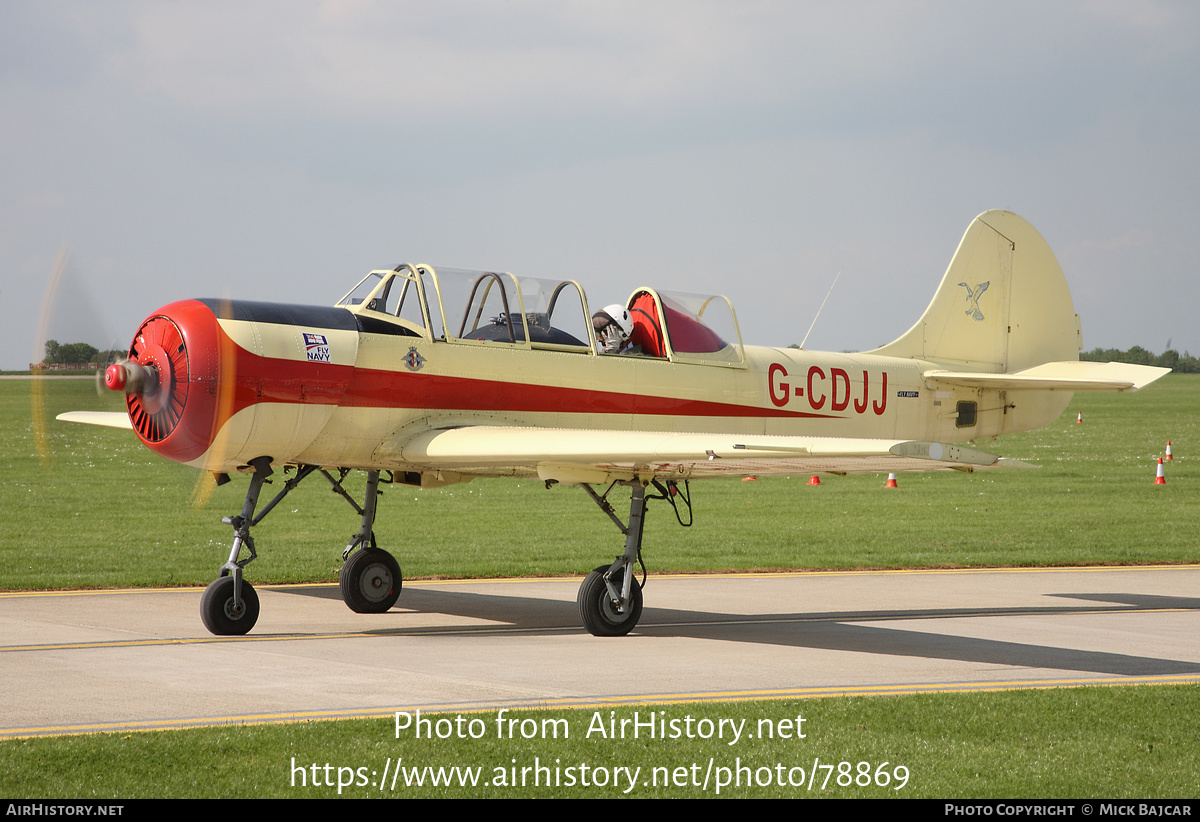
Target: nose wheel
column 225, row 614
column 229, row 606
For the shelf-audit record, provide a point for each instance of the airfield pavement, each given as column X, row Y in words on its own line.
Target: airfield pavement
column 78, row 661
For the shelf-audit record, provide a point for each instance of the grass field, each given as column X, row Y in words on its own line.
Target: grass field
column 96, row 509
column 125, row 517
column 1071, row 743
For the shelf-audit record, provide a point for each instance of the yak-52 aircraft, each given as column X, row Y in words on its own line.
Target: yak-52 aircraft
column 436, row 376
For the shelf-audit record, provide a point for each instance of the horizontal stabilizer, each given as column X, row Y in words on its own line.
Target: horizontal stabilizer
column 108, row 419
column 1058, row 376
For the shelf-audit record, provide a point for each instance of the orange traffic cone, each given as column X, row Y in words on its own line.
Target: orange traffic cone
column 815, row 480
column 1169, row 450
column 891, row 483
column 1079, row 418
column 1159, row 479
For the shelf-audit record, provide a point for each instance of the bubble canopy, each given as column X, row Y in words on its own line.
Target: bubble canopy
column 488, row 308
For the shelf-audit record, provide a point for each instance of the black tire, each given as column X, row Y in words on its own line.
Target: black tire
column 370, row 581
column 596, row 608
column 218, row 613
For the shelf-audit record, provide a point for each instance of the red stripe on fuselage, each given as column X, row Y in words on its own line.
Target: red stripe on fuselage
column 394, row 389
column 261, row 379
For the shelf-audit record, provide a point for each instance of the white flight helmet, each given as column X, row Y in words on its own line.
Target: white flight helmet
column 620, row 315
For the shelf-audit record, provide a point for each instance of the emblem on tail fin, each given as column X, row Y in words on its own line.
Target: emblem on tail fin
column 973, row 295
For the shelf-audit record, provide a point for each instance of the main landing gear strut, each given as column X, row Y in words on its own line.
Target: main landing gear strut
column 370, row 577
column 610, row 598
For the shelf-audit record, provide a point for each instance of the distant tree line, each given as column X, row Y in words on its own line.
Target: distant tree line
column 83, row 354
column 77, row 354
column 1183, row 363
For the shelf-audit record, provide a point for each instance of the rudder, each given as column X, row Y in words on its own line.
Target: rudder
column 1002, row 306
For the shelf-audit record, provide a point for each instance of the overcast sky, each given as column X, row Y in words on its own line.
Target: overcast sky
column 280, row 150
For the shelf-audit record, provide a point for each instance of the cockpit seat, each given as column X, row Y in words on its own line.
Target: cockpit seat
column 647, row 334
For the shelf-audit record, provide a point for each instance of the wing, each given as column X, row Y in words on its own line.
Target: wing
column 108, row 419
column 579, row 456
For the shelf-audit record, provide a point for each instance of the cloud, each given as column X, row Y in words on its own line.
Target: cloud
column 760, row 146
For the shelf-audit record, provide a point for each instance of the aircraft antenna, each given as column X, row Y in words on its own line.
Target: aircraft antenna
column 822, row 308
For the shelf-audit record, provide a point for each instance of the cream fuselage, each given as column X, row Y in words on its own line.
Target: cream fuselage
column 390, row 388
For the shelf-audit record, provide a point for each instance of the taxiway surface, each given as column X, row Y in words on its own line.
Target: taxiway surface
column 139, row 659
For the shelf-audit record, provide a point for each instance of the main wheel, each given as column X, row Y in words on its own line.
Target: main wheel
column 370, row 581
column 600, row 616
column 219, row 613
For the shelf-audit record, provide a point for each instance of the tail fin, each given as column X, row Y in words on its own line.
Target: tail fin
column 1003, row 305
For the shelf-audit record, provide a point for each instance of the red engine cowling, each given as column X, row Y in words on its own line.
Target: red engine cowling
column 186, row 378
column 177, row 418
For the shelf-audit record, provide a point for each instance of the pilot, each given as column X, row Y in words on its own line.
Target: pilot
column 613, row 327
